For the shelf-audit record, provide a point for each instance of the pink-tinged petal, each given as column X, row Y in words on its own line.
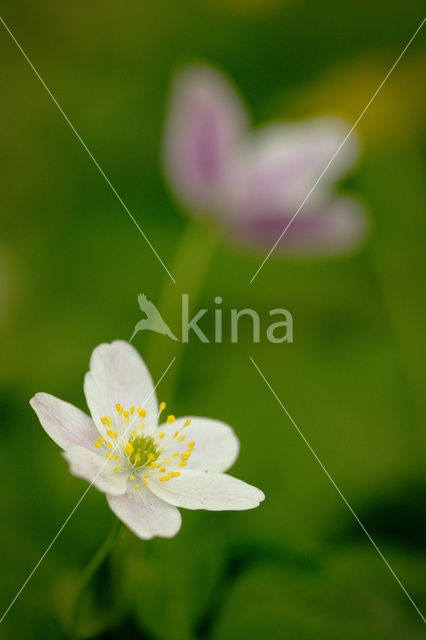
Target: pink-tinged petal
column 206, row 121
column 216, row 445
column 280, row 164
column 93, row 466
column 145, row 514
column 211, row 491
column 63, row 422
column 119, row 375
column 338, row 228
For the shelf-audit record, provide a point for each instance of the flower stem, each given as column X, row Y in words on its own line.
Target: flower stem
column 190, row 265
column 93, row 565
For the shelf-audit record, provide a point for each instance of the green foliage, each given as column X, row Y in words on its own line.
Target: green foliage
column 72, row 264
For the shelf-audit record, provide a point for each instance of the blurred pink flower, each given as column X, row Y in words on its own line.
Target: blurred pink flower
column 254, row 182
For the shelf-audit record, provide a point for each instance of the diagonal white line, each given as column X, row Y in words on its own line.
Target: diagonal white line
column 80, row 139
column 339, row 148
column 71, row 513
column 338, row 490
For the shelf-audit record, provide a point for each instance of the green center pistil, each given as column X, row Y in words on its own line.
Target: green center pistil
column 141, row 450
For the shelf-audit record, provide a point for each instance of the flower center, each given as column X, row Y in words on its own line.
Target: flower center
column 143, row 455
column 141, row 450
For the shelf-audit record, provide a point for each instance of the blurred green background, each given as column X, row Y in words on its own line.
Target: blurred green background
column 72, row 263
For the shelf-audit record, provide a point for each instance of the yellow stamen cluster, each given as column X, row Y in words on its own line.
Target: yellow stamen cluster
column 139, row 454
column 129, row 448
column 107, row 422
column 106, row 446
column 169, row 476
column 185, row 456
column 111, row 448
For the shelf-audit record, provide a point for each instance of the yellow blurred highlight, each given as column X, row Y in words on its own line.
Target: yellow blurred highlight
column 397, row 111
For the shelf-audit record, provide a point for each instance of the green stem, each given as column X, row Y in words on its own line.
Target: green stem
column 93, row 565
column 190, row 265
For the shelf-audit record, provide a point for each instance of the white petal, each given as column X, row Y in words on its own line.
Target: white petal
column 63, row 422
column 205, row 123
column 279, row 165
column 334, row 228
column 212, row 491
column 119, row 375
column 338, row 227
column 216, row 445
column 145, row 514
column 93, row 466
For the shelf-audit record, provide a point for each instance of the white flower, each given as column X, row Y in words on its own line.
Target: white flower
column 147, row 470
